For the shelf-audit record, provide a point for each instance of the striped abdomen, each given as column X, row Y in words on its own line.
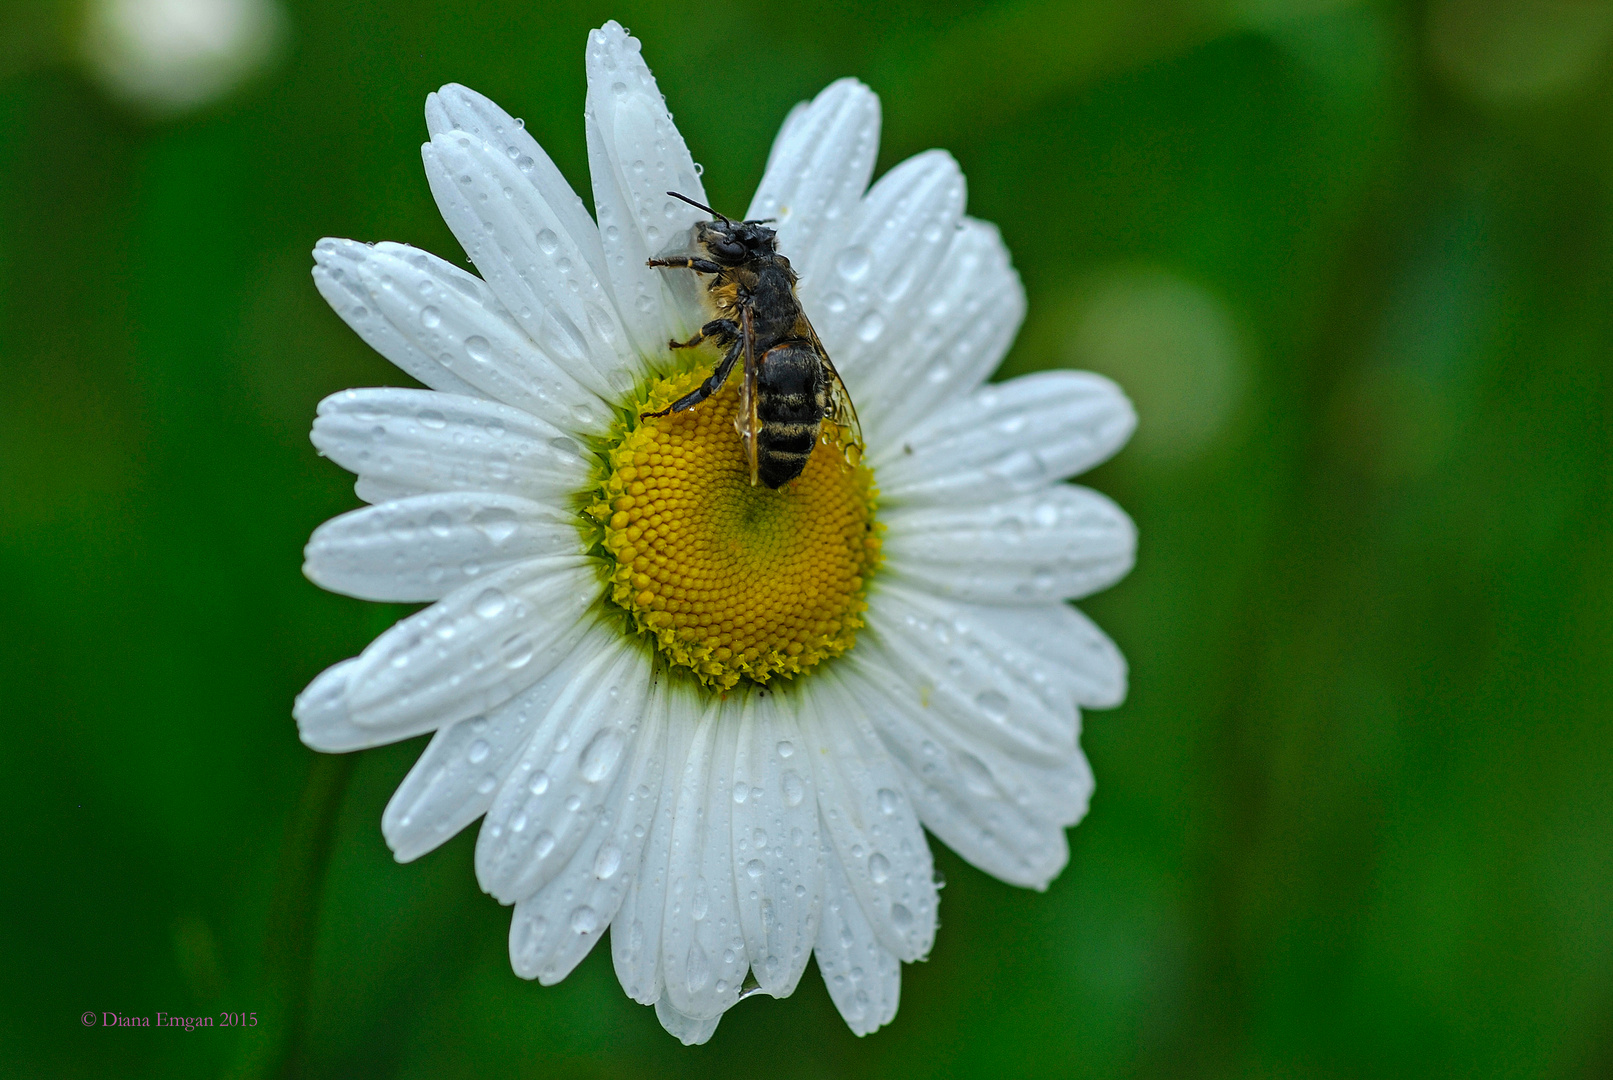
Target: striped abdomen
column 789, row 410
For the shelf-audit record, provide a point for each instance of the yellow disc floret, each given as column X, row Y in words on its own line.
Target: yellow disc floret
column 734, row 581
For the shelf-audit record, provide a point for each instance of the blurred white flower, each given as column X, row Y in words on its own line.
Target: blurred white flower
column 171, row 56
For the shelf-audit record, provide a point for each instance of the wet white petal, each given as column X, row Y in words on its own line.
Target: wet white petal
column 1075, row 653
column 455, row 780
column 1002, row 812
column 863, row 977
column 1007, row 439
column 459, row 108
column 561, row 790
column 817, row 172
column 1059, row 543
column 878, row 839
column 957, row 660
column 635, row 935
column 447, row 329
column 776, row 845
column 540, row 272
column 689, row 1030
column 321, row 713
column 425, row 546
column 554, row 928
column 636, row 156
column 475, row 648
column 957, row 330
column 703, row 956
column 865, row 292
column 407, row 442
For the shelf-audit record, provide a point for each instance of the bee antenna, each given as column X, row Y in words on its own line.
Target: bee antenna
column 701, row 206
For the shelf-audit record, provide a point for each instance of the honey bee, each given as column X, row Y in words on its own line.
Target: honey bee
column 790, row 386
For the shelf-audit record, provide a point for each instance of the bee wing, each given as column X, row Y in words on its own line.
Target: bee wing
column 840, row 409
column 745, row 420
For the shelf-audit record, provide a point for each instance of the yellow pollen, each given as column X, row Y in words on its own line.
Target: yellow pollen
column 734, row 581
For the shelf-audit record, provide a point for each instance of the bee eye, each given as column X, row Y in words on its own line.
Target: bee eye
column 729, row 249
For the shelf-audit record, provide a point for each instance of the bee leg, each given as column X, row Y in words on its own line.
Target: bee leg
column 699, row 266
column 722, row 330
column 705, row 389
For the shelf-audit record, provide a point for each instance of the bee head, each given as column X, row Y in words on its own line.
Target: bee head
column 731, row 242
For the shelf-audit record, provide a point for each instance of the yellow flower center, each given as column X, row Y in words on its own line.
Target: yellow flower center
column 734, row 581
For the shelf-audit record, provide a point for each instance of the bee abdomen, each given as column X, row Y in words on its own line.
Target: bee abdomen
column 790, row 410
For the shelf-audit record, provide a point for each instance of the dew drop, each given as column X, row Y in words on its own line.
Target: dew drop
column 585, row 920
column 539, row 783
column 430, row 317
column 491, row 604
column 497, row 523
column 479, row 349
column 993, row 704
column 889, row 801
column 440, row 525
column 852, row 263
column 599, row 757
column 975, row 774
column 478, row 751
column 607, row 862
column 543, row 843
column 902, row 917
column 870, row 326
column 548, row 242
column 794, row 789
column 879, row 868
column 754, row 869
column 786, row 748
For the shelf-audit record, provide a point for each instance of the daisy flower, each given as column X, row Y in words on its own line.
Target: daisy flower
column 713, row 717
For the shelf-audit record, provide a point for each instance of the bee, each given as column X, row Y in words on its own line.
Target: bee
column 790, row 387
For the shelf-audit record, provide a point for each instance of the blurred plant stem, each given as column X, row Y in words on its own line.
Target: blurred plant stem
column 293, row 921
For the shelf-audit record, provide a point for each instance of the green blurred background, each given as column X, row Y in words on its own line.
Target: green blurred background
column 1354, row 263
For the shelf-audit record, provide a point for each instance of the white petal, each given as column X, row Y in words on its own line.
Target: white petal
column 689, row 1030
column 351, row 295
column 406, row 442
column 475, row 648
column 553, row 929
column 426, row 546
column 635, row 935
column 962, row 322
column 321, row 714
column 1058, row 543
column 541, row 272
column 561, row 789
column 1078, row 655
column 459, row 108
column 776, row 847
column 1001, row 813
column 958, row 660
column 864, row 979
column 454, row 781
column 447, row 329
column 703, row 957
column 863, row 294
column 1007, row 439
column 870, row 824
column 818, row 170
column 635, row 156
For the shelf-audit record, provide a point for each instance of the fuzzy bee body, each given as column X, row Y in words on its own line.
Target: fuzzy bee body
column 790, row 386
